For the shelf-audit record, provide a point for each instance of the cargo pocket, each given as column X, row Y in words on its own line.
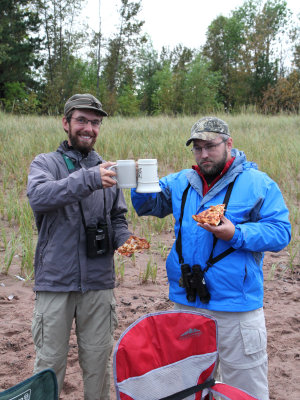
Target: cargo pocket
column 254, row 336
column 37, row 329
column 113, row 318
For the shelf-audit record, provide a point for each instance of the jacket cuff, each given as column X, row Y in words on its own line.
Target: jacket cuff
column 237, row 239
column 121, row 240
column 98, row 181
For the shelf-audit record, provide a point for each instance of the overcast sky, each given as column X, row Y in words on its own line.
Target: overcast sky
column 170, row 22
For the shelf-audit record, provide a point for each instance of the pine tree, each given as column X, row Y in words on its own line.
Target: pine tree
column 19, row 44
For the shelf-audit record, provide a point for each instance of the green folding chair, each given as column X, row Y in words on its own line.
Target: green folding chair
column 41, row 386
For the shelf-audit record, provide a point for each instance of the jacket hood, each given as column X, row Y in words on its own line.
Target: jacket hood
column 240, row 159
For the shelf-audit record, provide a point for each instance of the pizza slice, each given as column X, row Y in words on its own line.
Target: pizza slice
column 212, row 216
column 132, row 245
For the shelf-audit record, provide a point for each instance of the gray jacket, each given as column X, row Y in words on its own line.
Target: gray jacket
column 61, row 263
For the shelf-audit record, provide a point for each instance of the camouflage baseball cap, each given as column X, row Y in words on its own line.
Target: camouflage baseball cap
column 84, row 101
column 208, row 128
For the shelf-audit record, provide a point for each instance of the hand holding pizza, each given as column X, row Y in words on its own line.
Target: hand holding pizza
column 224, row 231
column 213, row 220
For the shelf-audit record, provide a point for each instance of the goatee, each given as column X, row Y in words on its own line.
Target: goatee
column 214, row 169
column 84, row 149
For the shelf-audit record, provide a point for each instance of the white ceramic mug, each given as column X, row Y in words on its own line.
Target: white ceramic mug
column 147, row 181
column 126, row 173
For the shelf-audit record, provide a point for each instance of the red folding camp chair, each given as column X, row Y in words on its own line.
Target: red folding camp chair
column 170, row 355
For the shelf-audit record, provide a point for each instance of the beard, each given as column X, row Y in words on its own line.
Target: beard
column 214, row 168
column 78, row 143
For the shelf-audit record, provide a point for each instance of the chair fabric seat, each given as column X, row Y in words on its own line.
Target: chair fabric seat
column 168, row 352
column 41, row 386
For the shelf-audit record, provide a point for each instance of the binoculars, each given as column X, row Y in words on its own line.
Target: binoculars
column 96, row 240
column 192, row 279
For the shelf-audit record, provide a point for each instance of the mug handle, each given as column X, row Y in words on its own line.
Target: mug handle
column 111, row 167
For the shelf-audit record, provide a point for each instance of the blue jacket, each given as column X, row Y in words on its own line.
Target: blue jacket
column 256, row 208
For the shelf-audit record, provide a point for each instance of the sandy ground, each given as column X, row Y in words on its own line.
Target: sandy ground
column 135, row 299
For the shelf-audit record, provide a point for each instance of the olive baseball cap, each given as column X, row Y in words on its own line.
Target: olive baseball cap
column 208, row 128
column 84, row 101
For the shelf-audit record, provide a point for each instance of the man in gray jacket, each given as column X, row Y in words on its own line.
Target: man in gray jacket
column 80, row 217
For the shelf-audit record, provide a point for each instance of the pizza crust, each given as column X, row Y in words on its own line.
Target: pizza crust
column 212, row 216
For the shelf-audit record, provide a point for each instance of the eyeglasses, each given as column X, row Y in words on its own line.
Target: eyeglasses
column 84, row 121
column 209, row 148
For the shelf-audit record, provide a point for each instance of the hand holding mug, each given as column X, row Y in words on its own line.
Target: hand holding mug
column 125, row 172
column 130, row 174
column 107, row 174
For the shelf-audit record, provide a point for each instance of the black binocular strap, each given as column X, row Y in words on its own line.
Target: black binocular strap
column 178, row 240
column 71, row 168
column 188, row 392
column 212, row 260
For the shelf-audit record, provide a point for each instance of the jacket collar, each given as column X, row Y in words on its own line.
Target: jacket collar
column 88, row 161
column 206, row 186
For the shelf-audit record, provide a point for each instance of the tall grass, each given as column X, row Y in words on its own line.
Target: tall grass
column 272, row 142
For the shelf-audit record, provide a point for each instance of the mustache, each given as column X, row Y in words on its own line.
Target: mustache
column 204, row 161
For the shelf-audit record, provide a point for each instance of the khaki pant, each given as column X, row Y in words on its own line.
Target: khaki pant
column 242, row 345
column 95, row 318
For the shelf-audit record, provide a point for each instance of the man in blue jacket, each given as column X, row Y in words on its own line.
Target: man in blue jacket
column 218, row 269
column 80, row 217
